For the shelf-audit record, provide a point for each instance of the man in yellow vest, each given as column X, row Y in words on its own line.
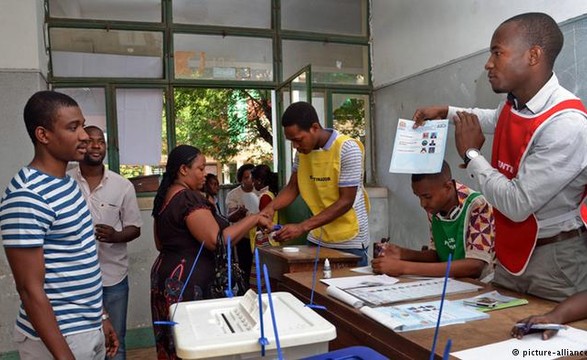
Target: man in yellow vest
column 328, row 174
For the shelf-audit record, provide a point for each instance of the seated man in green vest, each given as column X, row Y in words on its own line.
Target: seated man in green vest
column 461, row 224
column 328, row 174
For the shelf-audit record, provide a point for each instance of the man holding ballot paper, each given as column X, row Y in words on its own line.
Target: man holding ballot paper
column 536, row 178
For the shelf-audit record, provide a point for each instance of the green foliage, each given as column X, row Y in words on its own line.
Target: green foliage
column 265, row 158
column 349, row 118
column 215, row 120
column 130, row 171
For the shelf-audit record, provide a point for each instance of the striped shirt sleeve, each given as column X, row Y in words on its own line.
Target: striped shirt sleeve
column 25, row 218
column 351, row 164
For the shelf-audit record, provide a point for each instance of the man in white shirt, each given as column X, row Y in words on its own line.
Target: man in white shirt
column 117, row 221
column 537, row 176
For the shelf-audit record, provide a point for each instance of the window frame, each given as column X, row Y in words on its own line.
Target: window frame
column 168, row 82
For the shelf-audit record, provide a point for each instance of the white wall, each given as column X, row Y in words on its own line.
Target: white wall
column 418, row 63
column 21, row 38
column 412, row 36
column 22, row 65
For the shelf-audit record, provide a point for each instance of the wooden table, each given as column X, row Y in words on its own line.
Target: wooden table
column 279, row 262
column 354, row 328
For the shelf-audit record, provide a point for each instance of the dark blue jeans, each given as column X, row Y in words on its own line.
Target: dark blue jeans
column 359, row 252
column 116, row 304
column 364, row 261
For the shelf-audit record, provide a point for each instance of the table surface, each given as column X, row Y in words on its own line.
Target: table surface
column 354, row 328
column 280, row 262
column 307, row 253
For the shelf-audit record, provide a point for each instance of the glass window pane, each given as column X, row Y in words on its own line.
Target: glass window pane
column 127, row 10
column 331, row 63
column 141, row 138
column 226, row 124
column 350, row 113
column 101, row 53
column 223, row 58
column 344, row 17
column 319, row 103
column 92, row 102
column 299, row 88
column 239, row 13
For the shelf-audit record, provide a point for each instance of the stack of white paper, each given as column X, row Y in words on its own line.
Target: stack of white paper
column 570, row 342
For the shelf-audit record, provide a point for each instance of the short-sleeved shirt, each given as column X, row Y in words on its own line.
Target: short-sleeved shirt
column 179, row 248
column 113, row 202
column 238, row 197
column 480, row 228
column 39, row 210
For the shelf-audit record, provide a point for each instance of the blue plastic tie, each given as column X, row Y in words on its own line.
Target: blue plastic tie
column 447, row 347
column 262, row 340
column 311, row 304
column 228, row 290
column 268, row 285
column 187, row 280
column 440, row 310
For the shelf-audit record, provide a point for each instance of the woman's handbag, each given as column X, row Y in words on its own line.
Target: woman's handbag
column 219, row 284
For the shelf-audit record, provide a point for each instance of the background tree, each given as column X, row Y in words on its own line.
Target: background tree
column 222, row 122
column 349, row 118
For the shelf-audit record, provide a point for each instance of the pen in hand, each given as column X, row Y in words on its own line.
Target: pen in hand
column 527, row 327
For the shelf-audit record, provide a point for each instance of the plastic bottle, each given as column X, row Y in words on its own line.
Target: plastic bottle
column 327, row 272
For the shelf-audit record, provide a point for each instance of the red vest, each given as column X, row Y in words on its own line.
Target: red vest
column 515, row 241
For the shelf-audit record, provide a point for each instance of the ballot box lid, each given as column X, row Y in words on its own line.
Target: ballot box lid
column 221, row 327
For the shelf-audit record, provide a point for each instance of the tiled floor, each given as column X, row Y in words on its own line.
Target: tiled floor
column 141, row 354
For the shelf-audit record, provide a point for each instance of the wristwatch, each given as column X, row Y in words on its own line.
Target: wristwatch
column 470, row 154
column 105, row 316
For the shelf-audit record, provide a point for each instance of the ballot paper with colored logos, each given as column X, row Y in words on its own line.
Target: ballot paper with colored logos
column 420, row 150
column 424, row 315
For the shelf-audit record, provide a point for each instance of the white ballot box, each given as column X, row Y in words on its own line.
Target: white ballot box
column 230, row 329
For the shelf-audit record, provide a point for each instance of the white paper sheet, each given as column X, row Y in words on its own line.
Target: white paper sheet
column 532, row 347
column 349, row 282
column 408, row 291
column 344, row 297
column 421, row 150
column 363, row 269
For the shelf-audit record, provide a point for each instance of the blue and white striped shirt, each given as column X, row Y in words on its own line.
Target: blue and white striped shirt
column 39, row 210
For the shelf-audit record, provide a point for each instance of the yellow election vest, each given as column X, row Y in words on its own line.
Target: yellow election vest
column 318, row 175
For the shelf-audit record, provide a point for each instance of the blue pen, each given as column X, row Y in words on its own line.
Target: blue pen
column 529, row 327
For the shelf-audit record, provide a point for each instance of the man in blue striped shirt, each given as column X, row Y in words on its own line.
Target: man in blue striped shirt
column 48, row 237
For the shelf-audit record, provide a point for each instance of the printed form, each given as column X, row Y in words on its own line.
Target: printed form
column 421, row 150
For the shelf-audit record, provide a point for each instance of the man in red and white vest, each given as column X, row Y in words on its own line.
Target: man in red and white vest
column 537, row 176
